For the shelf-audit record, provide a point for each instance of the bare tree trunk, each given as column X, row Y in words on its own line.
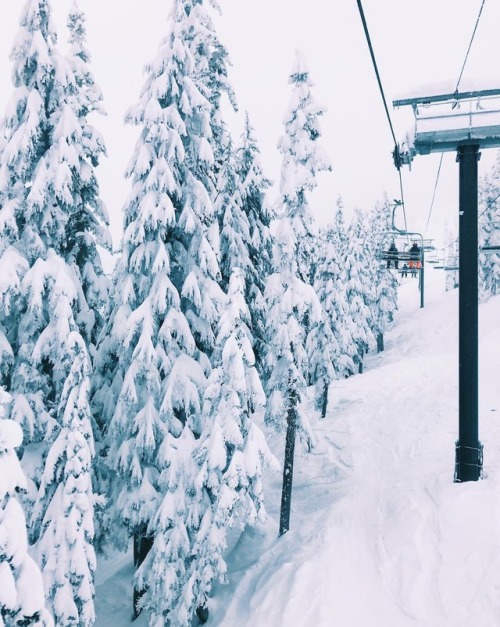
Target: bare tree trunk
column 142, row 546
column 202, row 614
column 286, row 494
column 380, row 343
column 324, row 404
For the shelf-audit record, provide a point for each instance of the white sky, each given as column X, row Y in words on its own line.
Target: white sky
column 416, row 43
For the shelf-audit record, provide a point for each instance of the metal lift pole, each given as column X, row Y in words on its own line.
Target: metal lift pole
column 468, row 449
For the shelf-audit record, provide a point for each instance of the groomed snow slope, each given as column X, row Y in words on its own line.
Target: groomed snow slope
column 380, row 535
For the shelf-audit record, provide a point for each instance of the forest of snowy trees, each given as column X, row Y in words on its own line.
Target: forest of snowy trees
column 136, row 408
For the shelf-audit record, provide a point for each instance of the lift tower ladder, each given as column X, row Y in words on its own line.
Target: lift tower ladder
column 463, row 122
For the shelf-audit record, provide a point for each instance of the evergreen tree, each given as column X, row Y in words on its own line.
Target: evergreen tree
column 451, row 260
column 294, row 309
column 334, row 359
column 22, row 599
column 230, row 455
column 154, row 358
column 303, row 159
column 385, row 282
column 245, row 240
column 334, row 298
column 235, row 228
column 50, row 214
column 65, row 508
column 89, row 221
column 211, row 69
column 253, row 185
column 489, row 229
column 359, row 288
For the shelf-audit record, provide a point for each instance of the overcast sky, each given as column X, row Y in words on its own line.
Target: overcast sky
column 416, row 42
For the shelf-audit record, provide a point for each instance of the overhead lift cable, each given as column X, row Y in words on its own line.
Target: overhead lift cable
column 375, row 67
column 470, row 45
column 456, row 91
column 434, row 192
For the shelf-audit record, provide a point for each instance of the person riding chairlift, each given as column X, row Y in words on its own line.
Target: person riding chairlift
column 415, row 256
column 415, row 259
column 393, row 255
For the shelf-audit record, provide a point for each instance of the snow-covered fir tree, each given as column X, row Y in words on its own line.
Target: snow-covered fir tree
column 22, row 600
column 451, row 252
column 231, row 455
column 211, row 61
column 359, row 288
column 50, row 218
column 245, row 240
column 489, row 232
column 333, row 294
column 293, row 306
column 303, row 159
column 89, row 221
column 235, row 228
column 322, row 349
column 338, row 347
column 385, row 281
column 259, row 212
column 154, row 358
column 65, row 507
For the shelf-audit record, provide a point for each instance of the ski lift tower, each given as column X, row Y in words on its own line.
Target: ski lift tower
column 463, row 122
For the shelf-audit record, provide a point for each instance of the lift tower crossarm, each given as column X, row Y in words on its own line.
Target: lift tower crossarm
column 464, row 95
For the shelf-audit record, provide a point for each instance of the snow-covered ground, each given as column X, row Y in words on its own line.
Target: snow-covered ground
column 380, row 535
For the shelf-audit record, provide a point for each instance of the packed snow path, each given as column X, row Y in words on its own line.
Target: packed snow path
column 380, row 535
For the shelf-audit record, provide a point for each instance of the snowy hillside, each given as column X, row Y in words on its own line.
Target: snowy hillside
column 380, row 535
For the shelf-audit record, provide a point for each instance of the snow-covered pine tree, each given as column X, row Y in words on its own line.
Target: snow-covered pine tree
column 293, row 306
column 22, row 600
column 323, row 350
column 47, row 185
column 489, row 232
column 65, row 507
column 87, row 227
column 253, row 186
column 338, row 346
column 245, row 240
column 211, row 62
column 359, row 288
column 231, row 455
column 385, row 282
column 334, row 298
column 235, row 228
column 451, row 260
column 89, row 221
column 153, row 360
column 303, row 159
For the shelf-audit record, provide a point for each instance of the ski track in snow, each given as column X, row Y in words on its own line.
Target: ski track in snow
column 380, row 535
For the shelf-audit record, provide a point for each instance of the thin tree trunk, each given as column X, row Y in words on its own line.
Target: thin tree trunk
column 286, row 494
column 142, row 546
column 360, row 367
column 380, row 343
column 202, row 614
column 324, row 404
